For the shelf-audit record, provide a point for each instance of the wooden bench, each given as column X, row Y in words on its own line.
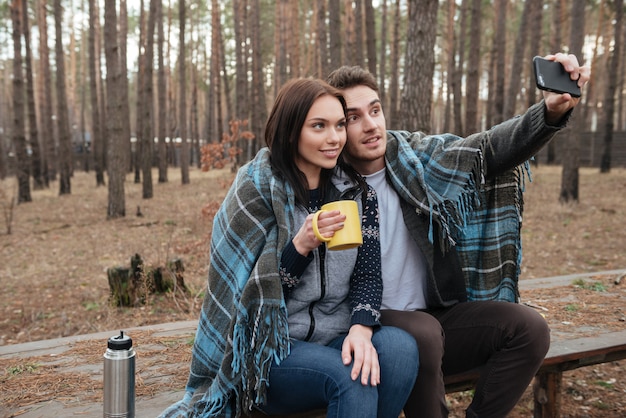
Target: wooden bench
column 564, row 354
column 567, row 354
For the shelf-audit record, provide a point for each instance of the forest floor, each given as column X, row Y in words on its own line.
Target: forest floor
column 54, row 283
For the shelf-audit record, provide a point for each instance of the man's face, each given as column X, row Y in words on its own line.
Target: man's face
column 367, row 133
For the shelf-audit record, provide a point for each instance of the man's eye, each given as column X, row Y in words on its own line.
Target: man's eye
column 352, row 118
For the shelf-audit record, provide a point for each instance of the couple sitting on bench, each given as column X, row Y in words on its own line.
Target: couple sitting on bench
column 441, row 229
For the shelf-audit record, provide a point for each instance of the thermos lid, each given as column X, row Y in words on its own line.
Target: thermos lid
column 120, row 342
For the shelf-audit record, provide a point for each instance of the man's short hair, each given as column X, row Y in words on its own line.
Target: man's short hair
column 351, row 76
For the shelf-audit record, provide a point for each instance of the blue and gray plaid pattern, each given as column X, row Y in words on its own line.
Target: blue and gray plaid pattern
column 443, row 176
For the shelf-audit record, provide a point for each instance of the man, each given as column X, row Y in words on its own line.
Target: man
column 450, row 214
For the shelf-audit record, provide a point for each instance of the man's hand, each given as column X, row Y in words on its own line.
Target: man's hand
column 557, row 105
column 359, row 343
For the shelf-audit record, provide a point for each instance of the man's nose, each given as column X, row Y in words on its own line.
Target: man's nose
column 368, row 123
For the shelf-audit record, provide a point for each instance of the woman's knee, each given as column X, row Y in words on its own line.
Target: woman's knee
column 398, row 352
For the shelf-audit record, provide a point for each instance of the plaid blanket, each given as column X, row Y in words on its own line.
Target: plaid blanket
column 243, row 322
column 443, row 176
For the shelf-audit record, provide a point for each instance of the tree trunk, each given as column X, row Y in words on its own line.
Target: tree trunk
column 124, row 101
column 147, row 106
column 534, row 46
column 36, row 159
column 394, row 83
column 94, row 90
column 184, row 149
column 22, row 164
column 359, row 41
column 458, row 72
column 519, row 58
column 335, row 37
column 370, row 37
column 571, row 157
column 116, row 162
column 321, row 31
column 48, row 138
column 259, row 106
column 450, row 64
column 419, row 64
column 161, row 97
column 497, row 67
column 65, row 140
column 213, row 96
column 382, row 62
column 612, row 87
column 473, row 69
column 555, row 45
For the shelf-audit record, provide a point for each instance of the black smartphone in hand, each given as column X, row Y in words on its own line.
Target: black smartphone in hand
column 551, row 76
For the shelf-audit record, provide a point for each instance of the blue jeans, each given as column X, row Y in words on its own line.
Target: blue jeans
column 314, row 377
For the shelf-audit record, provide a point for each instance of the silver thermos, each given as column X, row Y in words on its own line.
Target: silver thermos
column 119, row 377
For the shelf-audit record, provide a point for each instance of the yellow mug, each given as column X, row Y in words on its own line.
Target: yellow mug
column 347, row 237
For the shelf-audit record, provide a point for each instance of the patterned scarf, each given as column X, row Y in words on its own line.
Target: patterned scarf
column 243, row 323
column 443, row 176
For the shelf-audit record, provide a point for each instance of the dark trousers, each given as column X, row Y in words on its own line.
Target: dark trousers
column 507, row 341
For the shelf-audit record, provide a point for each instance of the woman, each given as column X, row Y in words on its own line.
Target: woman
column 304, row 347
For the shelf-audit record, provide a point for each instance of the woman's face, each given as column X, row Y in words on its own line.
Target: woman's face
column 322, row 138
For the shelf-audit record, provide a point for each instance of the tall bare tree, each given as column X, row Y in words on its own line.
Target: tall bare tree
column 519, row 57
column 451, row 60
column 473, row 69
column 22, row 165
column 281, row 58
column 556, row 42
column 370, row 36
column 321, row 31
column 147, row 105
column 534, row 47
column 259, row 106
column 382, row 60
column 47, row 130
column 419, row 64
column 496, row 75
column 63, row 122
column 95, row 98
column 393, row 104
column 350, row 53
column 571, row 156
column 357, row 36
column 116, row 161
column 612, row 86
column 137, row 152
column 122, row 41
column 214, row 91
column 460, row 63
column 161, row 96
column 182, row 97
column 335, row 38
column 35, row 146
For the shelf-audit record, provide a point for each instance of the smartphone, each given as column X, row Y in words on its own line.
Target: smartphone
column 551, row 76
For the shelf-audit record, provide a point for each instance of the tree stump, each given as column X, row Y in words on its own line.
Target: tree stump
column 130, row 286
column 120, row 285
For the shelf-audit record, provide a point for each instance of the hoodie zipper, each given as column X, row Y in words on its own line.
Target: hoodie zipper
column 322, row 254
